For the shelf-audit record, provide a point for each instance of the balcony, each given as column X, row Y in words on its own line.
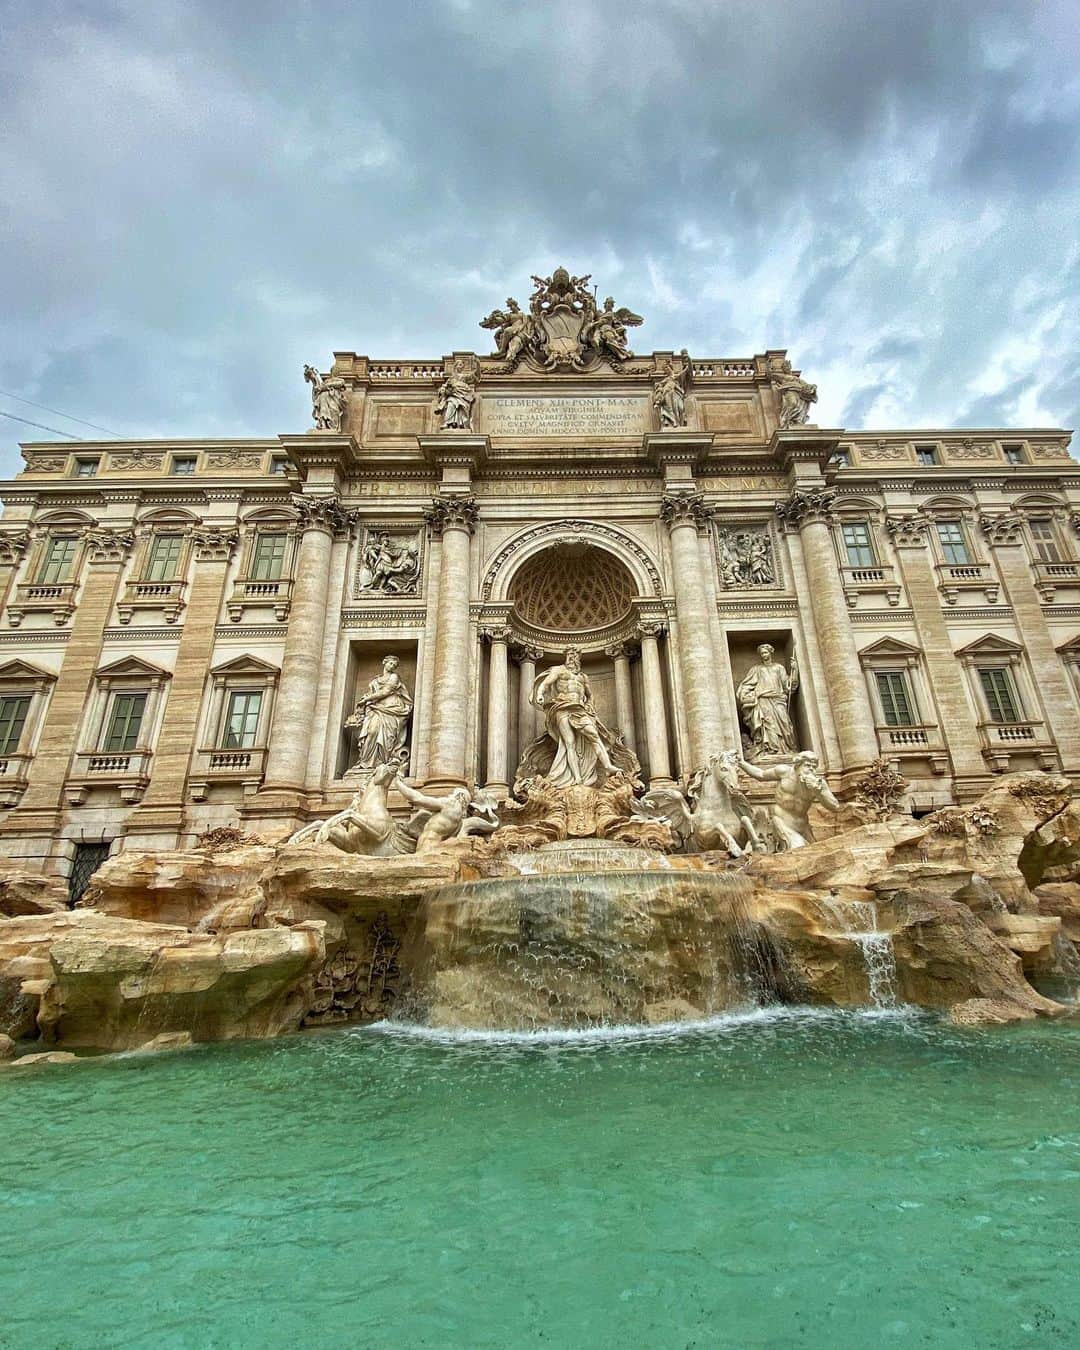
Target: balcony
column 1003, row 740
column 164, row 596
column 877, row 580
column 1049, row 576
column 55, row 598
column 922, row 741
column 14, row 770
column 128, row 771
column 248, row 593
column 243, row 767
column 955, row 578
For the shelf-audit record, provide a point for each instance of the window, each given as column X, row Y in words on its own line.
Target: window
column 926, row 455
column 1042, row 537
column 88, row 858
column 954, row 547
column 58, row 560
column 841, row 458
column 242, row 719
column 183, row 464
column 278, row 464
column 858, row 544
column 125, row 722
column 1000, row 694
column 896, row 702
column 1014, row 453
column 13, row 710
column 163, row 557
column 268, row 558
column 86, row 468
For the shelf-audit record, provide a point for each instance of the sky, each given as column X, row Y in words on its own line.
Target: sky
column 196, row 198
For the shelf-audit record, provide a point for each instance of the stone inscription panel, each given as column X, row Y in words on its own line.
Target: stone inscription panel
column 584, row 416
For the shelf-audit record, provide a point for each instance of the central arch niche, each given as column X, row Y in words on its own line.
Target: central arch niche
column 572, row 586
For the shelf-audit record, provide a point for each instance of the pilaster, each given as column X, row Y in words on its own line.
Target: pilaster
column 453, row 519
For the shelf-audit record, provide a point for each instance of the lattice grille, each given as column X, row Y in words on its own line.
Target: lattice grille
column 570, row 587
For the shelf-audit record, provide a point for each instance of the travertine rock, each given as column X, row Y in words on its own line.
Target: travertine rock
column 1061, row 899
column 976, row 1012
column 30, row 893
column 44, row 1057
column 168, row 1040
column 671, row 1010
column 7, row 1047
column 177, row 888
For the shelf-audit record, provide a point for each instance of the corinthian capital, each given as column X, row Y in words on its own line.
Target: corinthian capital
column 685, row 508
column 213, row 543
column 452, row 513
column 907, row 531
column 1006, row 528
column 108, row 546
column 806, row 505
column 13, row 546
column 322, row 513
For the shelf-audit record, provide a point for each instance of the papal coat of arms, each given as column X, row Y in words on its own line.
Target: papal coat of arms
column 563, row 328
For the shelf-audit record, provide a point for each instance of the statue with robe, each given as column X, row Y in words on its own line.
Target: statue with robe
column 764, row 699
column 382, row 716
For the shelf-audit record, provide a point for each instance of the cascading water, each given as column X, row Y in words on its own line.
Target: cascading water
column 858, row 920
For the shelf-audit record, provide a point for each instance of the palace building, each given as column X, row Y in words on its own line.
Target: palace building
column 188, row 626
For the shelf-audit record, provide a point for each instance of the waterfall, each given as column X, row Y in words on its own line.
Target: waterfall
column 858, row 921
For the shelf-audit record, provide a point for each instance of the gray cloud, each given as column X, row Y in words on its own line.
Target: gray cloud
column 200, row 197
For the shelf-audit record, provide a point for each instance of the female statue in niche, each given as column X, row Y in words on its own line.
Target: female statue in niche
column 382, row 715
column 764, row 698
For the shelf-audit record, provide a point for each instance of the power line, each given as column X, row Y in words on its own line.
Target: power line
column 70, row 435
column 44, row 408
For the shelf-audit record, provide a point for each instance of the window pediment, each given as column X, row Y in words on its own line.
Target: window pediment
column 21, row 672
column 245, row 666
column 889, row 649
column 990, row 644
column 132, row 667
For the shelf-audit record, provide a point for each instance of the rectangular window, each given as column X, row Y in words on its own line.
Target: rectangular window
column 86, row 468
column 858, row 544
column 895, row 698
column 242, row 719
column 58, row 560
column 841, row 458
column 125, row 722
column 268, row 557
column 1042, row 536
column 1014, row 453
column 183, row 464
column 926, row 455
column 163, row 557
column 13, row 710
column 954, row 547
column 1000, row 694
column 278, row 465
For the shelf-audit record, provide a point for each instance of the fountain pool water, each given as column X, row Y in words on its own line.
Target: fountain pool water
column 778, row 1178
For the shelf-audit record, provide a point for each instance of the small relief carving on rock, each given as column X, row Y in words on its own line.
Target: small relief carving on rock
column 389, row 564
column 744, row 557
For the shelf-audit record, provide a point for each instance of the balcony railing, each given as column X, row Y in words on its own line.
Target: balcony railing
column 249, row 593
column 215, row 765
column 1000, row 740
column 879, row 579
column 56, row 598
column 167, row 596
column 1049, row 576
column 126, row 770
column 13, row 774
column 956, row 577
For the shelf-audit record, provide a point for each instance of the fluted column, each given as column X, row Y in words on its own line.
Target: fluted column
column 498, row 717
column 320, row 518
column 624, row 697
column 656, row 731
column 685, row 514
column 526, row 717
column 452, row 518
column 808, row 510
column 1005, row 535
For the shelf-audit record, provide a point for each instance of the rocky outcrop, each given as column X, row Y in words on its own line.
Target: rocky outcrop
column 30, row 893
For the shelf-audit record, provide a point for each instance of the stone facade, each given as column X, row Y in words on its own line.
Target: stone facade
column 186, row 626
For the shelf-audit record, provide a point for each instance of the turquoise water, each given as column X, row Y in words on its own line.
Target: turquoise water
column 791, row 1179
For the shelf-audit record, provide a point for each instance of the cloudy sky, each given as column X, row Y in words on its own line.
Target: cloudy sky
column 198, row 197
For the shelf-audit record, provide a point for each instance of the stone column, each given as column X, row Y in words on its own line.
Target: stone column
column 320, row 518
column 624, row 697
column 162, row 807
column 1005, row 535
column 685, row 514
column 106, row 552
column 454, row 519
column 656, row 732
column 12, row 548
column 526, row 727
column 809, row 510
column 498, row 714
column 910, row 535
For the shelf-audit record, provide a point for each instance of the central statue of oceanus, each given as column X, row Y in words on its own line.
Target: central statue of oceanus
column 576, row 747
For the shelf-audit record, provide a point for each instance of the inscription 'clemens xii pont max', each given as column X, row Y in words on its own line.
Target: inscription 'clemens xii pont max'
column 565, row 416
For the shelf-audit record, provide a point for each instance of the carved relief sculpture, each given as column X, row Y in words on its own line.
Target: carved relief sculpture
column 563, row 328
column 382, row 716
column 455, row 399
column 576, row 747
column 745, row 558
column 669, row 394
column 328, row 399
column 388, row 566
column 796, row 394
column 764, row 699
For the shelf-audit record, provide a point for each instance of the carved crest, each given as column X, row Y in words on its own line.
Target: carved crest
column 564, row 328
